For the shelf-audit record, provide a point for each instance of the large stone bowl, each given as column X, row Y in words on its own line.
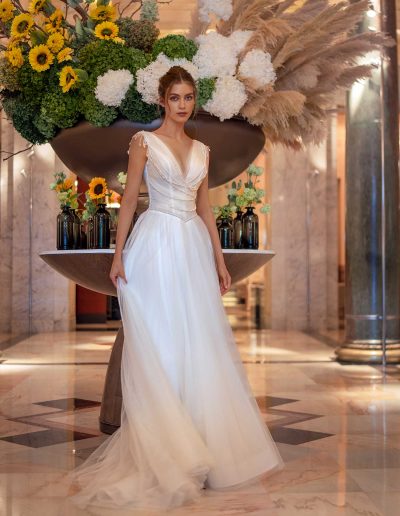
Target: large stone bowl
column 91, row 151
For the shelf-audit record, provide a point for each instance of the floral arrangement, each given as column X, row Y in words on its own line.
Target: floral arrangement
column 241, row 195
column 278, row 65
column 65, row 189
column 90, row 207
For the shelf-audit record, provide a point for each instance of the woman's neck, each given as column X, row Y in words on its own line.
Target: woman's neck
column 172, row 129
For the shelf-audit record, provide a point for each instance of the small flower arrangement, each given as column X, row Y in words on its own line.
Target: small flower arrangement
column 224, row 212
column 65, row 189
column 248, row 194
column 122, row 179
column 90, row 207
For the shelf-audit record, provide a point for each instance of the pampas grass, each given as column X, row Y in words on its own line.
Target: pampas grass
column 315, row 52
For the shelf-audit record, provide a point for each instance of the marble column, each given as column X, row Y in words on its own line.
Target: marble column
column 34, row 297
column 372, row 300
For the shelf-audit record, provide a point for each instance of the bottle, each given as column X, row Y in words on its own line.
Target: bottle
column 101, row 227
column 250, row 228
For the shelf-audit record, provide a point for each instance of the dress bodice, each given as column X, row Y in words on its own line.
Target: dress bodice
column 171, row 189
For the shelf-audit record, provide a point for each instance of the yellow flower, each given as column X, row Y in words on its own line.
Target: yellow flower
column 54, row 22
column 68, row 77
column 97, row 188
column 119, row 40
column 40, row 58
column 66, row 185
column 15, row 57
column 103, row 12
column 6, row 10
column 65, row 55
column 106, row 30
column 21, row 25
column 55, row 42
column 35, row 6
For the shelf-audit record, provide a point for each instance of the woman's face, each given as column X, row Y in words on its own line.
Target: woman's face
column 179, row 102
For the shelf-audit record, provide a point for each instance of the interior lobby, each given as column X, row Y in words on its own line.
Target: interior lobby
column 317, row 329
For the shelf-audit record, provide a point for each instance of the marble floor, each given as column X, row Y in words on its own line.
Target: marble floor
column 336, row 426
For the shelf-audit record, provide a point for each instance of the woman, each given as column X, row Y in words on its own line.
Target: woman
column 189, row 420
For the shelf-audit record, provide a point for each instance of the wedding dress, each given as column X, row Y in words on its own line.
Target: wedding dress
column 189, row 419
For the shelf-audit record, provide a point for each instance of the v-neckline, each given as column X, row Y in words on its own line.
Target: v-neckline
column 189, row 160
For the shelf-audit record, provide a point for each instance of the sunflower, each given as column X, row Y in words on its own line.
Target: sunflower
column 55, row 42
column 66, row 185
column 68, row 77
column 6, row 10
column 54, row 22
column 35, row 6
column 65, row 55
column 103, row 12
column 15, row 57
column 40, row 58
column 97, row 188
column 21, row 25
column 106, row 30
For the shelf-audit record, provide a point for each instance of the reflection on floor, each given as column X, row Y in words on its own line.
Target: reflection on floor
column 337, row 426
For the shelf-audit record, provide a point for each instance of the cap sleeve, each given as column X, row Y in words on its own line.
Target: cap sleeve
column 141, row 139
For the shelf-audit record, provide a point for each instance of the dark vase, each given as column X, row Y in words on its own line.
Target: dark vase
column 83, row 238
column 101, row 227
column 76, row 230
column 90, row 233
column 250, row 228
column 65, row 229
column 225, row 231
column 238, row 230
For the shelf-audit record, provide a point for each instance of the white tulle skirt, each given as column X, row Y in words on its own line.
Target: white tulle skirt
column 189, row 419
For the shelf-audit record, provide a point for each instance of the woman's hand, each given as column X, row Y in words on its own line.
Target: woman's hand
column 117, row 269
column 224, row 278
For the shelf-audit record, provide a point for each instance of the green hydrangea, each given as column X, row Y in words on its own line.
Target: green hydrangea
column 133, row 108
column 140, row 34
column 175, row 46
column 22, row 116
column 46, row 128
column 60, row 109
column 205, row 89
column 94, row 111
column 101, row 55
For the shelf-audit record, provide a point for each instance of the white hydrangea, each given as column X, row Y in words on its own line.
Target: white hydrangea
column 240, row 38
column 148, row 78
column 221, row 8
column 257, row 65
column 112, row 87
column 228, row 98
column 216, row 55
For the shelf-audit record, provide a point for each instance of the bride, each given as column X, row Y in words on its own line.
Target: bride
column 189, row 419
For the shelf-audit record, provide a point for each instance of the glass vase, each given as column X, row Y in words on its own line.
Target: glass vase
column 101, row 227
column 238, row 230
column 65, row 228
column 90, row 233
column 225, row 231
column 76, row 230
column 250, row 228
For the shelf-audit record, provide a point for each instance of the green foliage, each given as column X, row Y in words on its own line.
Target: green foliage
column 60, row 109
column 140, row 34
column 94, row 111
column 102, row 55
column 133, row 108
column 149, row 10
column 46, row 128
column 175, row 46
column 205, row 89
column 8, row 76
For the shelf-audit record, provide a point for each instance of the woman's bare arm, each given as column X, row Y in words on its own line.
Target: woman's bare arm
column 204, row 210
column 137, row 161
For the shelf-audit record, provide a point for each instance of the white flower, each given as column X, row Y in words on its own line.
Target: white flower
column 221, row 8
column 216, row 55
column 257, row 65
column 112, row 87
column 148, row 78
column 240, row 38
column 228, row 98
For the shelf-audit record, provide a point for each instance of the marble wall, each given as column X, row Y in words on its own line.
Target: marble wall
column 303, row 277
column 34, row 298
